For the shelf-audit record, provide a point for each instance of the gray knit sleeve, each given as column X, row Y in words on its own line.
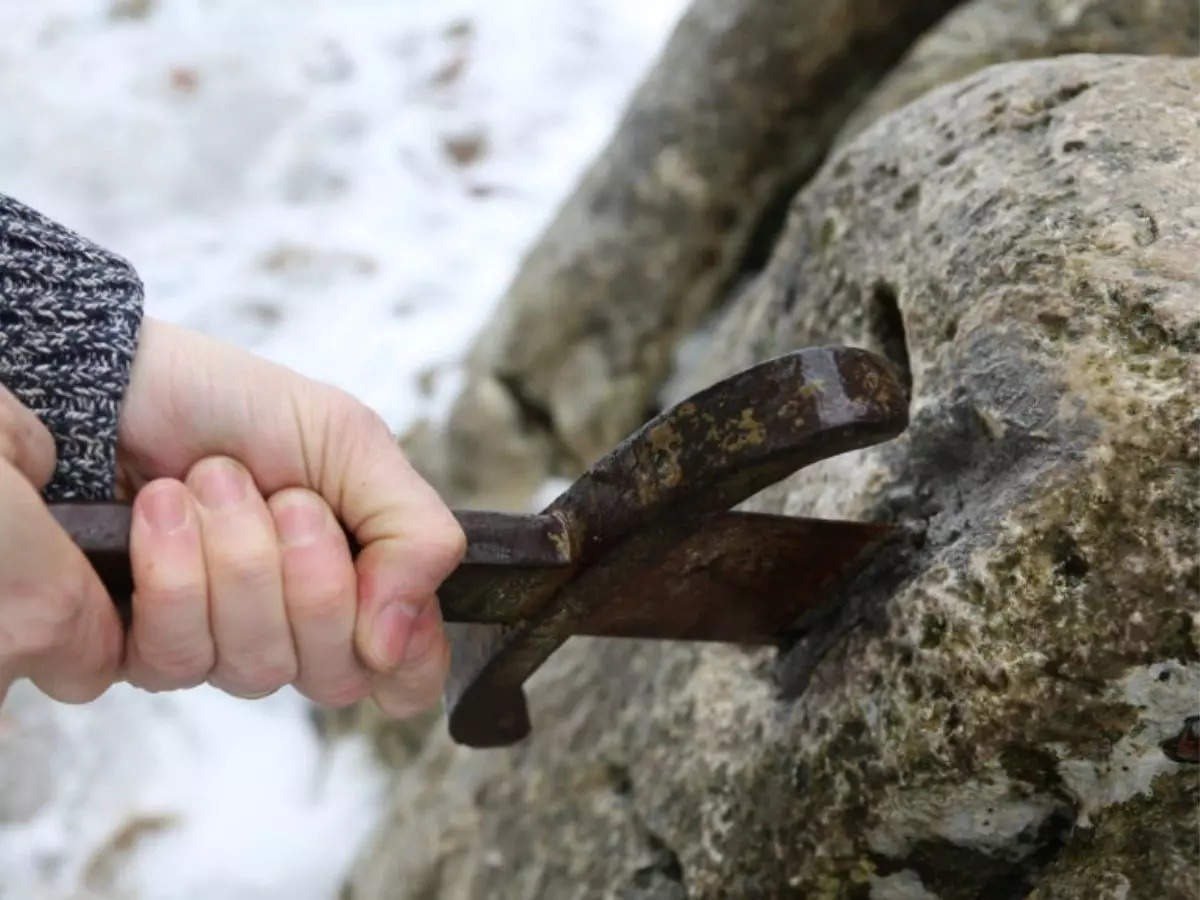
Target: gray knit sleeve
column 69, row 317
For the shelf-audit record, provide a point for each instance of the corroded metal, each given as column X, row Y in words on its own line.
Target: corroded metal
column 500, row 547
column 741, row 578
column 101, row 531
column 654, row 491
column 643, row 544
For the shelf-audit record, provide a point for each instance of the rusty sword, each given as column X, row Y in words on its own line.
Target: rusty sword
column 643, row 544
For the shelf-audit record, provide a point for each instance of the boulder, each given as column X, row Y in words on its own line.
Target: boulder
column 681, row 209
column 740, row 108
column 990, row 711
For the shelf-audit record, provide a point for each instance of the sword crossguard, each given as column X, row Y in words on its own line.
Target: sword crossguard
column 657, row 491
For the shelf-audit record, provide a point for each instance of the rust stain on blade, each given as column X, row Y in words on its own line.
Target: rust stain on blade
column 741, row 578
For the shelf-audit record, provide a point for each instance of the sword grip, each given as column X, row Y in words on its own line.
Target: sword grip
column 101, row 531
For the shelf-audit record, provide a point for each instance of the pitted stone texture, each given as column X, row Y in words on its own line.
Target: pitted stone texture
column 974, row 35
column 984, row 715
column 985, row 32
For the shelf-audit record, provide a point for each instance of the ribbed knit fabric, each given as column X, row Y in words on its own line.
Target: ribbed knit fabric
column 69, row 318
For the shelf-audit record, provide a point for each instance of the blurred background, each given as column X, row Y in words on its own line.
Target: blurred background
column 344, row 186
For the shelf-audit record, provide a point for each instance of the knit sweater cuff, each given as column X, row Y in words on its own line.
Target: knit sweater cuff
column 69, row 318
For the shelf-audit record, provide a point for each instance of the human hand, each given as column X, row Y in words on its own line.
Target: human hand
column 251, row 593
column 58, row 627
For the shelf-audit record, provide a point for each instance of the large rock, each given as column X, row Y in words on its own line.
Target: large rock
column 986, row 715
column 974, row 35
column 743, row 103
column 681, row 206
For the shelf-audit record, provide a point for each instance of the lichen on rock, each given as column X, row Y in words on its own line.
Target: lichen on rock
column 984, row 714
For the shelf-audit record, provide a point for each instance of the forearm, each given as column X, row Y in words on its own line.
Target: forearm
column 69, row 317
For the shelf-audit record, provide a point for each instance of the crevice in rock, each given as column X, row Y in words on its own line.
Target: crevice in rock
column 665, row 865
column 886, row 324
column 662, row 874
column 765, row 233
column 940, row 863
column 1068, row 561
column 534, row 415
column 537, row 421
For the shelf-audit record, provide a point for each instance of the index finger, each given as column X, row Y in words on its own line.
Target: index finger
column 410, row 543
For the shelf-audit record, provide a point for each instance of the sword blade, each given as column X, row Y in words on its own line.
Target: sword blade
column 742, row 578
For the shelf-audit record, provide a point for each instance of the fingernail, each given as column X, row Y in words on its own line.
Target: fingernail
column 220, row 484
column 300, row 521
column 165, row 508
column 392, row 626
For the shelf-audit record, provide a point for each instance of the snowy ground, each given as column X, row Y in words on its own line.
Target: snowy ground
column 344, row 187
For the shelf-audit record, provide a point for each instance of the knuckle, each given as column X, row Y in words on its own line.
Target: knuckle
column 362, row 428
column 255, row 676
column 50, row 620
column 289, row 496
column 444, row 546
column 320, row 602
column 169, row 592
column 406, row 694
column 339, row 694
column 348, row 414
column 250, row 568
column 362, row 415
column 81, row 690
column 171, row 668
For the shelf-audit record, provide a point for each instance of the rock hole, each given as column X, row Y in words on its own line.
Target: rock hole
column 1073, row 146
column 1071, row 91
column 908, row 197
column 618, row 777
column 664, row 874
column 790, row 295
column 886, row 326
column 1068, row 561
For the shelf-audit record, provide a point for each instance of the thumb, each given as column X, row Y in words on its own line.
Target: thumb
column 57, row 624
column 24, row 441
column 58, row 627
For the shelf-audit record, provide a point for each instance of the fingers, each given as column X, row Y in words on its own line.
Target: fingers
column 416, row 685
column 410, row 542
column 254, row 654
column 58, row 626
column 170, row 643
column 246, row 594
column 208, row 600
column 191, row 397
column 24, row 441
column 320, row 596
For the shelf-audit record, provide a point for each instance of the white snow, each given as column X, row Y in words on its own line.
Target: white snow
column 280, row 173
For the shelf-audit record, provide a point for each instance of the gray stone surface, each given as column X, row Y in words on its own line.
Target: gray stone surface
column 983, row 718
column 974, row 35
column 985, row 32
column 742, row 105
